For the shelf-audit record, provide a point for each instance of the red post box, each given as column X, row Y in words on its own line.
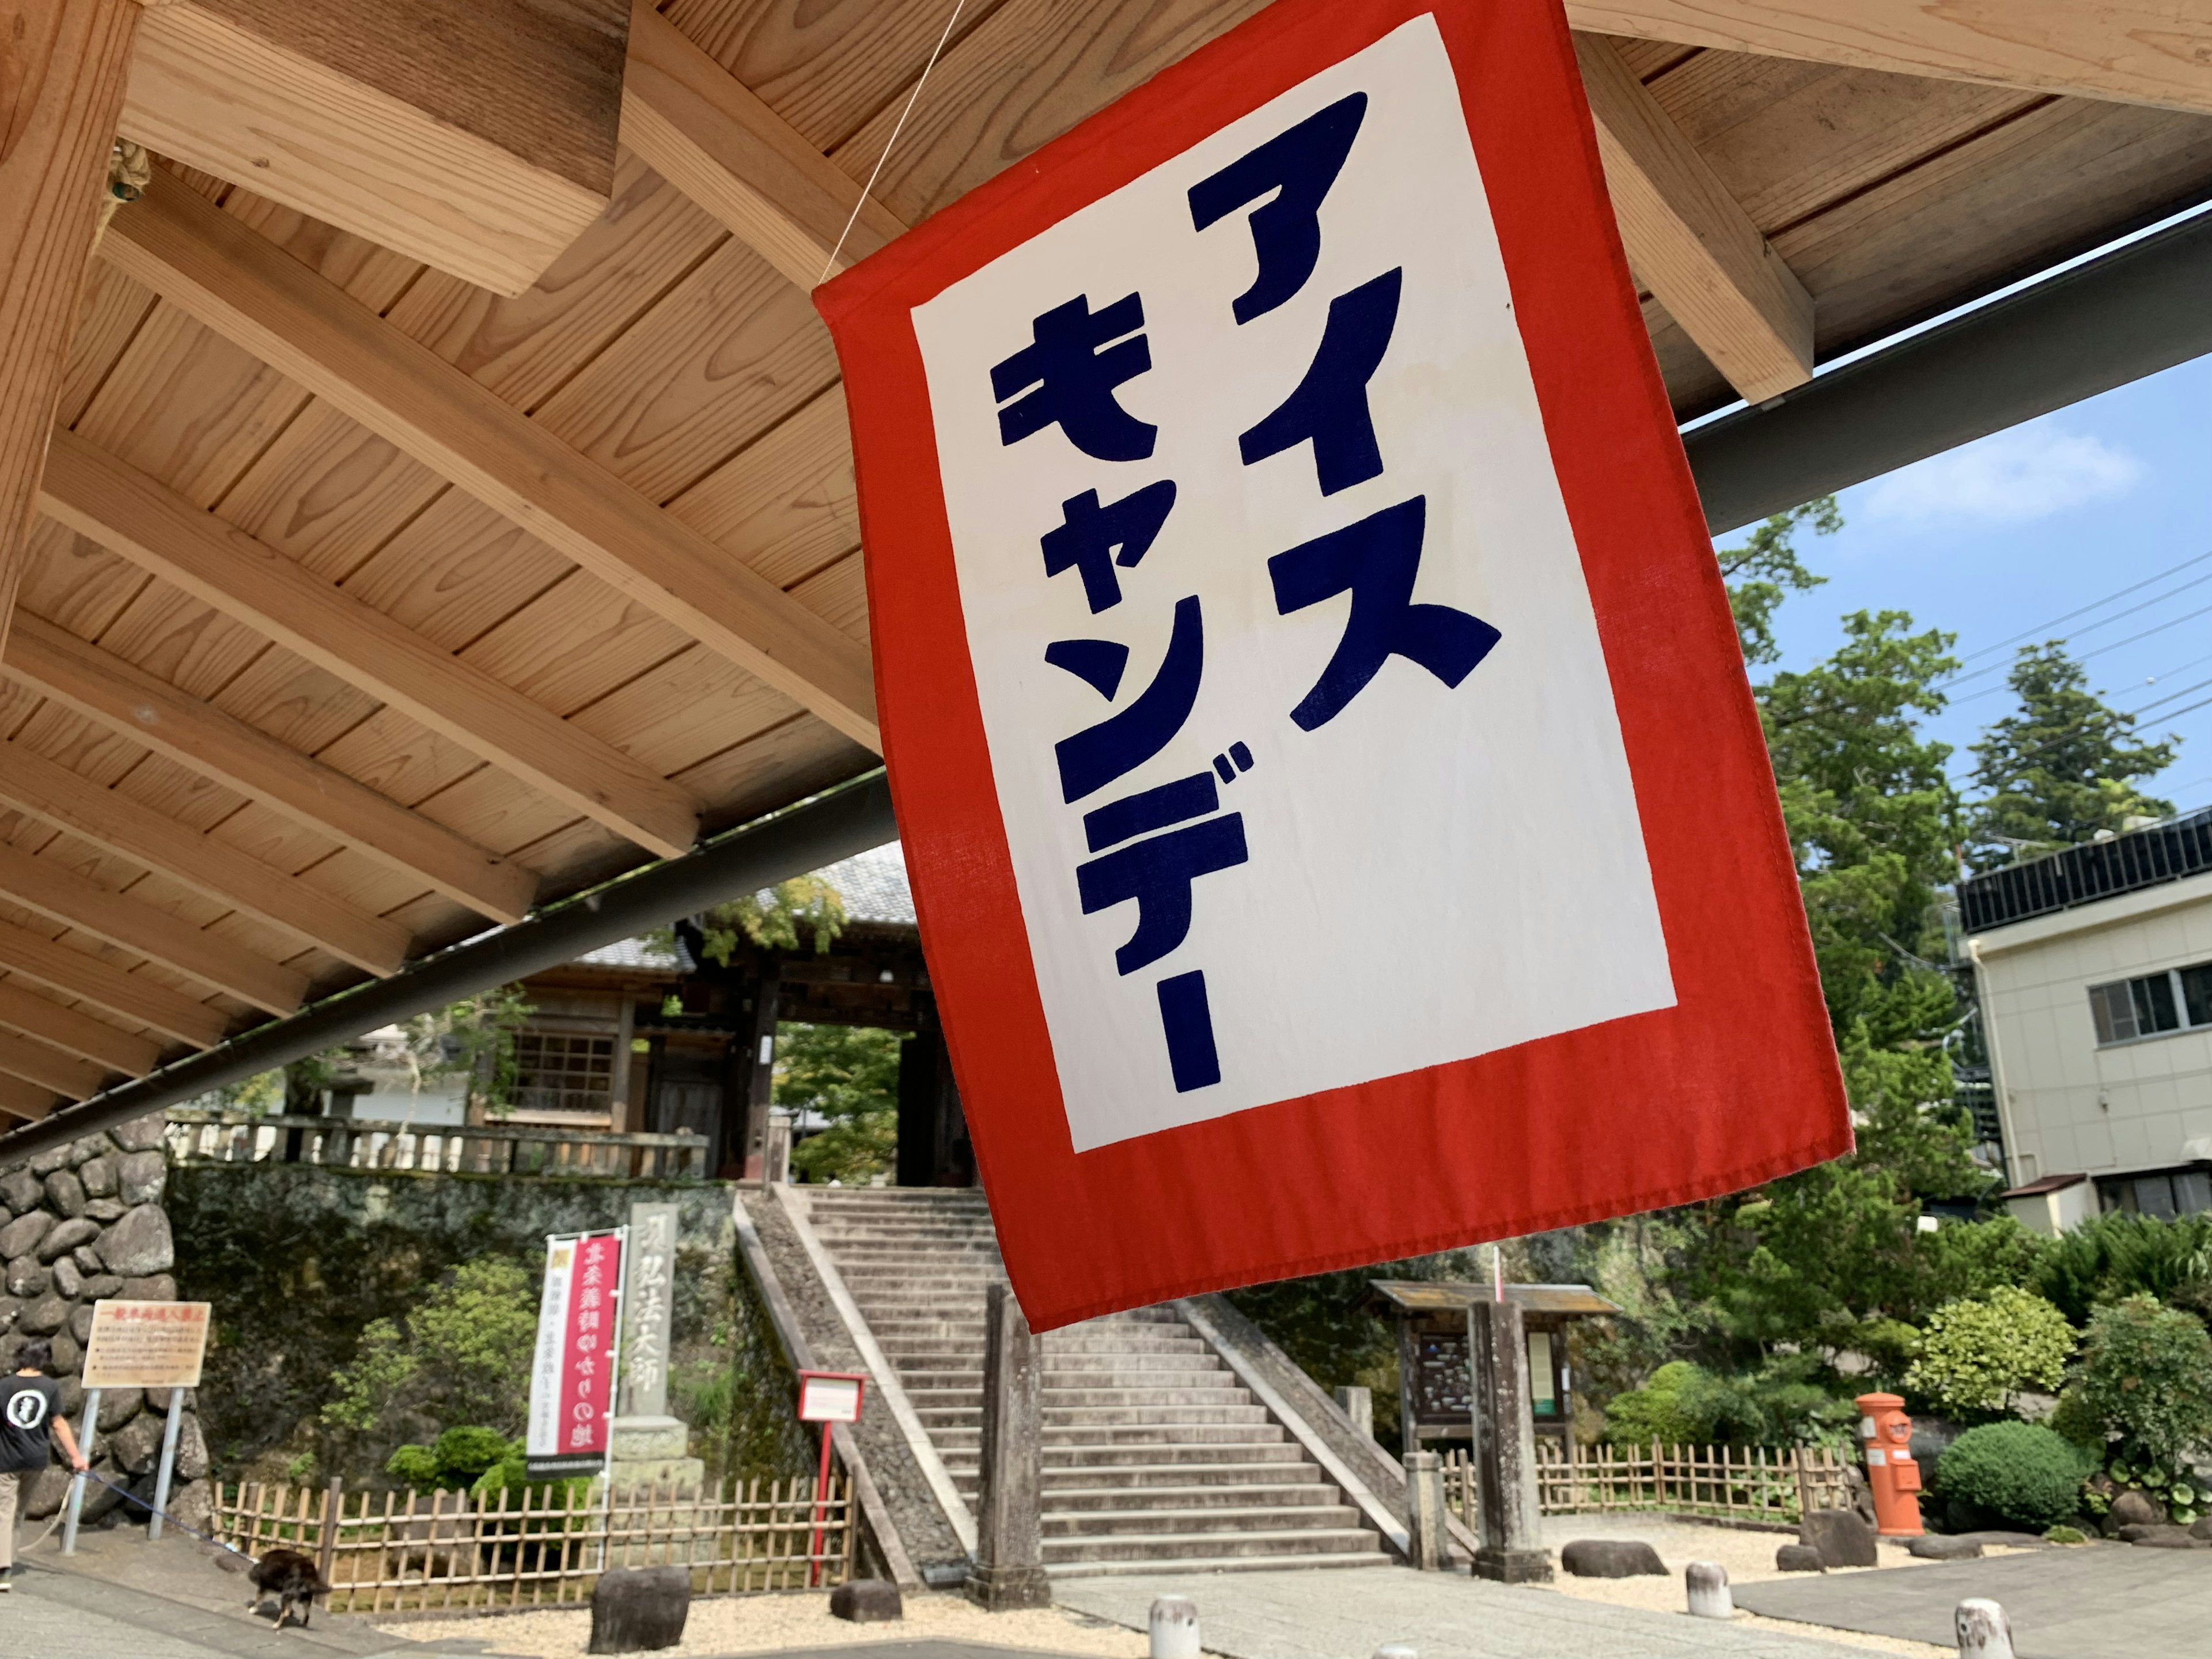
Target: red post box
column 1885, row 1437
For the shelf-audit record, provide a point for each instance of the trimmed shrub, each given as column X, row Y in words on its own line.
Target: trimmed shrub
column 2145, row 1377
column 2019, row 1473
column 1978, row 1353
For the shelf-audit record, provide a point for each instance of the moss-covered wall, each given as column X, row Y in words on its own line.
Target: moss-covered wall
column 297, row 1259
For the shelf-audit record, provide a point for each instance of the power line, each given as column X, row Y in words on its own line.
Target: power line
column 2094, row 605
column 2020, row 762
column 2088, row 656
column 2101, row 622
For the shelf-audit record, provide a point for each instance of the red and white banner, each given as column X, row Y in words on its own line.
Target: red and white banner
column 572, row 1379
column 1337, row 813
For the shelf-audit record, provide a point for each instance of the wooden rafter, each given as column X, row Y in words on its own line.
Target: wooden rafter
column 40, row 885
column 1689, row 241
column 202, row 737
column 97, row 495
column 48, row 790
column 2132, row 52
column 711, row 137
column 32, row 1015
column 62, row 70
column 135, row 998
column 34, row 1062
column 26, row 1100
column 237, row 283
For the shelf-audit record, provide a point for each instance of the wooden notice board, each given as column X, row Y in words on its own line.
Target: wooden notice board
column 146, row 1344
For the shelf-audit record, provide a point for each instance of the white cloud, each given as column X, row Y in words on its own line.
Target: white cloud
column 2009, row 478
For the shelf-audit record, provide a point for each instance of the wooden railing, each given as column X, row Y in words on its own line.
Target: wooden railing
column 381, row 1552
column 345, row 1143
column 1741, row 1483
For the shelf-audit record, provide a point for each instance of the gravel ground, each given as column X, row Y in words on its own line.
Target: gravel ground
column 1748, row 1556
column 796, row 1621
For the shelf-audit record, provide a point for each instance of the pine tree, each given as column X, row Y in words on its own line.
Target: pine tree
column 2061, row 769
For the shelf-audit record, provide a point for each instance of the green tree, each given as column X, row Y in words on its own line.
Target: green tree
column 2118, row 1256
column 2061, row 769
column 2145, row 1376
column 1766, row 570
column 1981, row 1352
column 777, row 918
column 849, row 1075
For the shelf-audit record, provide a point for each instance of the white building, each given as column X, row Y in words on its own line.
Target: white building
column 2094, row 966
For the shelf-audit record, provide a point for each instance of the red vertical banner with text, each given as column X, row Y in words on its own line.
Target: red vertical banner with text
column 572, row 1383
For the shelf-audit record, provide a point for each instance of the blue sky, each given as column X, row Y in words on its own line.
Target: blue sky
column 2001, row 536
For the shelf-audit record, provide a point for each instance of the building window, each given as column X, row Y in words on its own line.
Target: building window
column 2176, row 1193
column 2126, row 1009
column 563, row 1071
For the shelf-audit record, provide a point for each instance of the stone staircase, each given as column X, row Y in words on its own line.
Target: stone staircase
column 1155, row 1455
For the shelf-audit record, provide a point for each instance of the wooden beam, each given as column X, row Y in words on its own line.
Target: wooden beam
column 138, row 999
column 219, row 564
column 42, row 885
column 707, row 134
column 236, row 282
column 62, row 64
column 78, row 1032
column 46, row 789
column 2129, row 52
column 26, row 1100
column 476, row 136
column 34, row 1062
column 202, row 737
column 1688, row 240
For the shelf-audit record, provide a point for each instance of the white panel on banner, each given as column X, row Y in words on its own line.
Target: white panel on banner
column 1514, row 855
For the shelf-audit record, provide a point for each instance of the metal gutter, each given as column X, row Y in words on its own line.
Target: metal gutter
column 892, row 1547
column 941, row 1486
column 834, row 826
column 2127, row 314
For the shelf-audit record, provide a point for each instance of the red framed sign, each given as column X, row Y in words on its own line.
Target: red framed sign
column 830, row 1396
column 1338, row 817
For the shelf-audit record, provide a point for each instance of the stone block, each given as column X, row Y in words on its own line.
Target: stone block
column 139, row 1244
column 105, row 1210
column 645, row 1439
column 1842, row 1536
column 136, row 1446
column 25, row 1277
column 86, row 1148
column 1706, row 1585
column 45, row 1316
column 22, row 1192
column 10, row 1307
column 639, row 1609
column 191, row 1449
column 87, row 1259
column 99, row 1287
column 47, row 1162
column 100, row 1501
column 1799, row 1558
column 24, row 1234
column 867, row 1601
column 665, row 1476
column 7, row 1215
column 1934, row 1546
column 153, row 1288
column 141, row 1134
column 2162, row 1536
column 68, row 1281
column 80, row 1321
column 73, row 1398
column 98, row 1174
column 65, row 1193
column 67, row 1235
column 1611, row 1558
column 2137, row 1508
column 69, row 1349
column 141, row 1176
column 193, row 1505
column 2202, row 1527
column 118, row 1407
column 45, row 1493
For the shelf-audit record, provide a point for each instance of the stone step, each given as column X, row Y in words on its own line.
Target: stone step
column 1249, row 1519
column 1280, row 1475
column 1198, row 1564
column 1149, row 1436
column 1242, row 1496
column 1208, row 1394
column 1168, row 1547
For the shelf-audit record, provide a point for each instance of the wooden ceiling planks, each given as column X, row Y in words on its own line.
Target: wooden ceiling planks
column 677, row 359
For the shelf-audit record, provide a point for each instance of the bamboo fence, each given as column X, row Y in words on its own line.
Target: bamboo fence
column 381, row 1552
column 1775, row 1484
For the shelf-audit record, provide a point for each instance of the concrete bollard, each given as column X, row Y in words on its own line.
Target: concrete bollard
column 1708, row 1585
column 1984, row 1633
column 1397, row 1650
column 1425, row 1512
column 1175, row 1627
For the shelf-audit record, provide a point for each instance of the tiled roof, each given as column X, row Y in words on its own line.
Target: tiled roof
column 872, row 884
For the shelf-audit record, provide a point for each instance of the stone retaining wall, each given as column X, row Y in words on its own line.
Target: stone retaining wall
column 78, row 1223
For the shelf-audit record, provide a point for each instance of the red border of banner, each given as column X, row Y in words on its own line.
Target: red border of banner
column 1734, row 1086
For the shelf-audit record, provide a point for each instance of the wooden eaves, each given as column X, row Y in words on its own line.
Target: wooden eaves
column 388, row 564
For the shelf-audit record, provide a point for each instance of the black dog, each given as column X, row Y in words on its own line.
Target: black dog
column 290, row 1578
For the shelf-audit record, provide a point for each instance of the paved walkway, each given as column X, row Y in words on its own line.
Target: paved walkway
column 1347, row 1615
column 2064, row 1604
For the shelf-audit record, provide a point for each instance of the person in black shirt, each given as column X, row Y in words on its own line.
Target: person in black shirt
column 30, row 1412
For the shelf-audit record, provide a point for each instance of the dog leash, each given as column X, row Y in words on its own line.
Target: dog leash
column 130, row 1496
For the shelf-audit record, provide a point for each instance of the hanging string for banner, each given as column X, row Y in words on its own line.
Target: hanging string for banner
column 868, row 189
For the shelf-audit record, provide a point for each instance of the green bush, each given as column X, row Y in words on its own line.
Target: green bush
column 2117, row 1256
column 2019, row 1473
column 2065, row 1534
column 1686, row 1404
column 452, row 1462
column 2145, row 1378
column 1978, row 1353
